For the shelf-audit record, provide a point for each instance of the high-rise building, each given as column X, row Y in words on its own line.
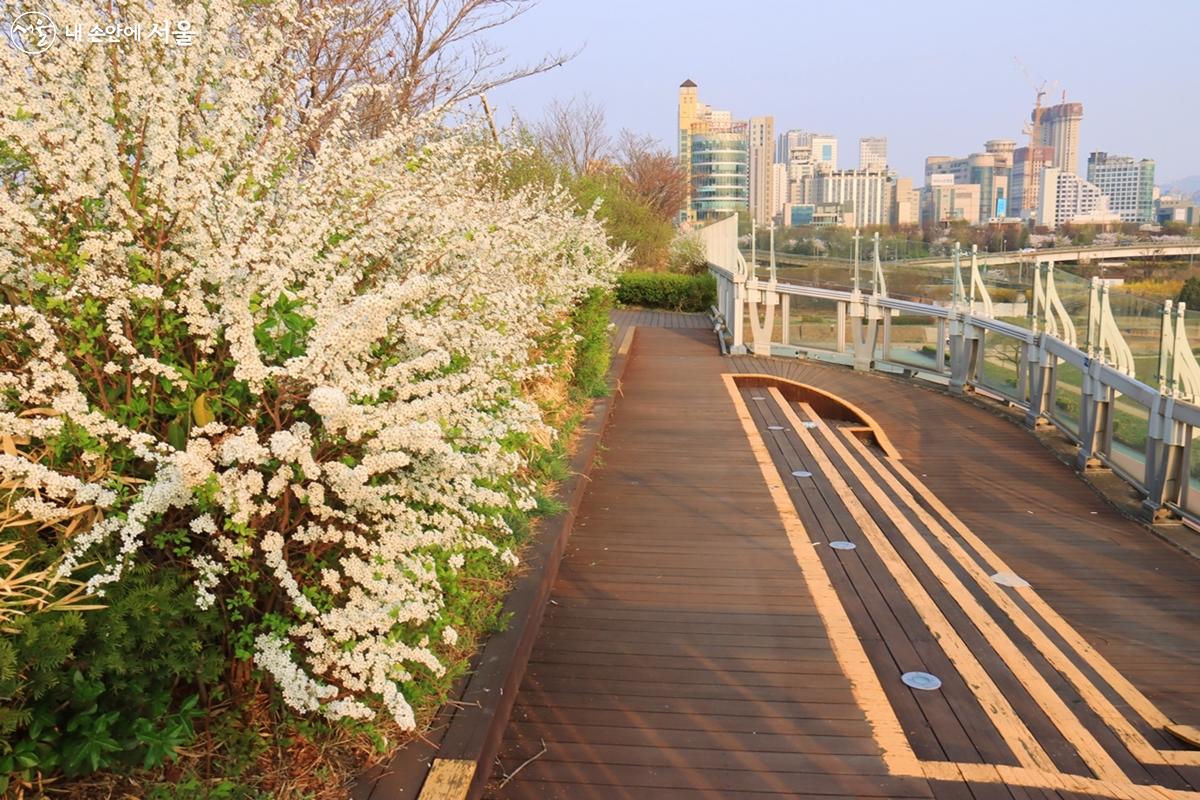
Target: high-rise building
column 815, row 149
column 1002, row 152
column 943, row 200
column 1128, row 184
column 800, row 169
column 872, row 152
column 824, row 151
column 980, row 169
column 762, row 162
column 866, row 193
column 1069, row 198
column 1026, row 181
column 720, row 170
column 1171, row 208
column 689, row 109
column 781, row 192
column 714, row 154
column 789, row 140
column 1060, row 130
column 906, row 206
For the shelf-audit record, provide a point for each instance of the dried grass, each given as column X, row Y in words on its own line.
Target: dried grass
column 27, row 586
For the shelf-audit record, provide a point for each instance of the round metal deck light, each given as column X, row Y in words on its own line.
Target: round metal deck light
column 802, row 473
column 842, row 545
column 921, row 680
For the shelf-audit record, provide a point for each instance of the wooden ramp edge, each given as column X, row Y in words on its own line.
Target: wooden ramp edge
column 453, row 760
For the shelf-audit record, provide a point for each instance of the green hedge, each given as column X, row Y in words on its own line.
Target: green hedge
column 667, row 290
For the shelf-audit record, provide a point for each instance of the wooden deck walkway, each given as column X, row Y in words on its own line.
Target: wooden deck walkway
column 705, row 639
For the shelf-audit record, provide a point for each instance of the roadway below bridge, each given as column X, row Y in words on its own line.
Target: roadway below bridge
column 710, row 634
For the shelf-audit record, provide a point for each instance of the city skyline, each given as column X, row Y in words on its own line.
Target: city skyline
column 898, row 82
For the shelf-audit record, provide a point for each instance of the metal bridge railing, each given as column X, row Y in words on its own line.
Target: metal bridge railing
column 1114, row 372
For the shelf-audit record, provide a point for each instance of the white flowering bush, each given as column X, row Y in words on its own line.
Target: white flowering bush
column 293, row 359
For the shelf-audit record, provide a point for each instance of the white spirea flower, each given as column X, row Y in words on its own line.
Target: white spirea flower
column 378, row 443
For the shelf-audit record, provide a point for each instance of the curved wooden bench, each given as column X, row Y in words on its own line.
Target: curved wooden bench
column 826, row 404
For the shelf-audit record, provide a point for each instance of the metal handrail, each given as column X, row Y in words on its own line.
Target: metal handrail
column 1104, row 360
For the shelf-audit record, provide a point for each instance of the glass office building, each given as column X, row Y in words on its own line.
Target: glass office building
column 720, row 171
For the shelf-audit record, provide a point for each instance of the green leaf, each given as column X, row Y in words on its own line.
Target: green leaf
column 177, row 434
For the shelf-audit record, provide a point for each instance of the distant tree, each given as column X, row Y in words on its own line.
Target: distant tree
column 574, row 134
column 652, row 173
column 628, row 219
column 1190, row 293
column 1080, row 234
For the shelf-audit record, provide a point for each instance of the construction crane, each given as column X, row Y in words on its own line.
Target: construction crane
column 1033, row 129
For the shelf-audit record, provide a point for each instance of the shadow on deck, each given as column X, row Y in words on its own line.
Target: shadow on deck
column 705, row 639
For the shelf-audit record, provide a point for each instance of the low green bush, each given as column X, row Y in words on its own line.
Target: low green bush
column 667, row 290
column 593, row 351
column 116, row 688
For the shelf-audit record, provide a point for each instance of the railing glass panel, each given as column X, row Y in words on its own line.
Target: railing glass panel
column 1067, row 396
column 813, row 323
column 1191, row 496
column 1140, row 322
column 775, row 332
column 1131, row 427
column 925, row 284
column 1076, row 296
column 1191, row 324
column 827, row 276
column 914, row 342
column 1001, row 366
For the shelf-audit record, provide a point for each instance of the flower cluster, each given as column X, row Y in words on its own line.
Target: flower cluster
column 304, row 350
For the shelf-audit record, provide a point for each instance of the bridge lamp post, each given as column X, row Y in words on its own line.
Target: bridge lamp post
column 774, row 271
column 856, row 238
column 753, row 248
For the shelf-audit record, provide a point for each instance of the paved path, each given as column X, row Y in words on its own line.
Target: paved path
column 704, row 638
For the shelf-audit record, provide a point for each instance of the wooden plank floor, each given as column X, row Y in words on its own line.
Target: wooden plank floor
column 1125, row 590
column 687, row 653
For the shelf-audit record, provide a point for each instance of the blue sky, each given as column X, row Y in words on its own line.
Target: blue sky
column 934, row 77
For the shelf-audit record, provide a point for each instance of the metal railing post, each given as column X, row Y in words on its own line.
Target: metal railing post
column 1095, row 418
column 940, row 352
column 965, row 362
column 1042, row 378
column 738, row 319
column 1095, row 411
column 1167, row 470
column 842, row 309
column 785, row 318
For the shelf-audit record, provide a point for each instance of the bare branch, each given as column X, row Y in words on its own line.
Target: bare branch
column 574, row 134
column 427, row 52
